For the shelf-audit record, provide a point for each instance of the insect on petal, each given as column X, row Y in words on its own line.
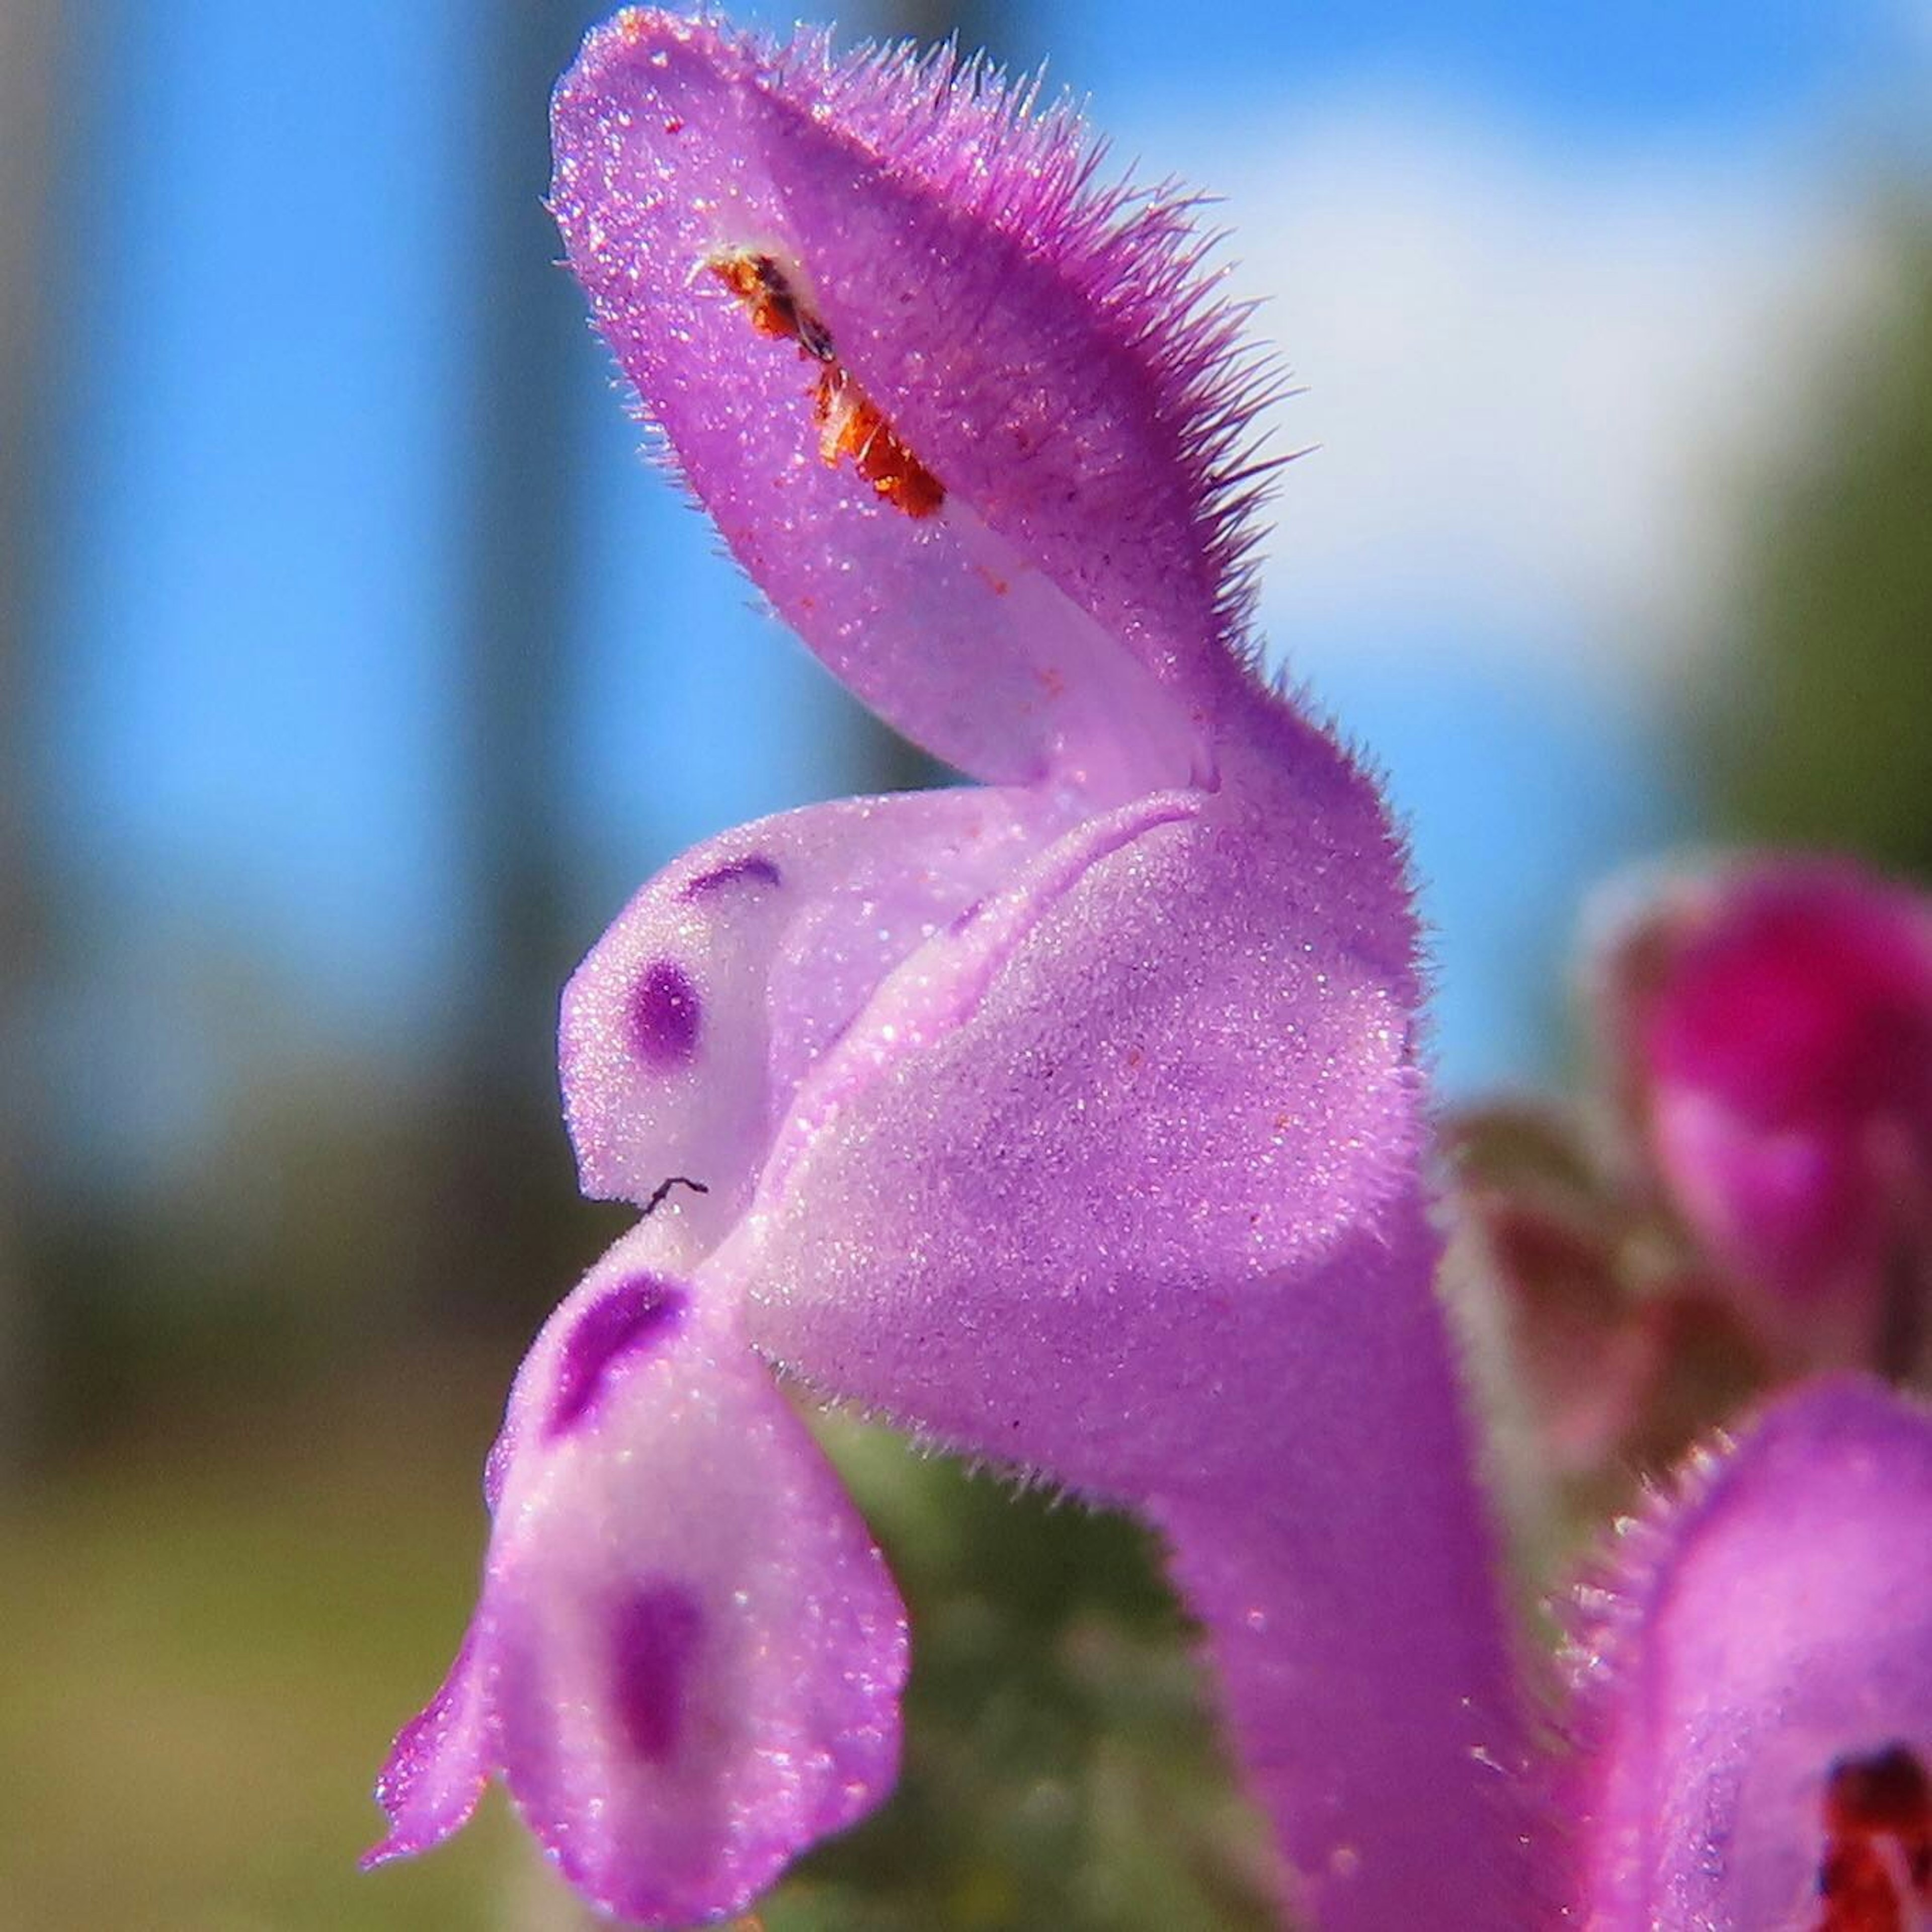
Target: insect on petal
column 973, row 422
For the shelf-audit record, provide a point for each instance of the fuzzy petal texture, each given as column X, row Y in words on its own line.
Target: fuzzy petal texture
column 1771, row 1626
column 1142, row 1214
column 1368, row 1686
column 1048, row 353
column 687, row 1658
column 691, row 1023
column 439, row 1764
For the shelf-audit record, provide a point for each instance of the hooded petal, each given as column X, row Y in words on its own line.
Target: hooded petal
column 971, row 422
column 1767, row 1648
column 687, row 1658
column 1143, row 1214
column 686, row 1029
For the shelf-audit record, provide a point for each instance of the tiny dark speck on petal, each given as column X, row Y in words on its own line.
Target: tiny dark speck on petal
column 665, row 1011
column 634, row 1315
column 654, row 1640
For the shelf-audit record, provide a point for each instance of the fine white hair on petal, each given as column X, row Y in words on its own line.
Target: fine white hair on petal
column 1033, row 171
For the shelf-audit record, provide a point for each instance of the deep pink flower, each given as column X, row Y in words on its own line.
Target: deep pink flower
column 1071, row 1120
column 1776, row 1016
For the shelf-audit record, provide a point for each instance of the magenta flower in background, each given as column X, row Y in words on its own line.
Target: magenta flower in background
column 1772, row 1021
column 1071, row 1120
column 1744, row 1194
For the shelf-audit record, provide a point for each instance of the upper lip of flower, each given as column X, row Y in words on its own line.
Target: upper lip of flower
column 1056, row 354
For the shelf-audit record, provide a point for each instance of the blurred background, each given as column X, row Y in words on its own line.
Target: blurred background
column 353, row 669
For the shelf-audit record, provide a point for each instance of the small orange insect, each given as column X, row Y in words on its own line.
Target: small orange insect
column 849, row 423
column 760, row 284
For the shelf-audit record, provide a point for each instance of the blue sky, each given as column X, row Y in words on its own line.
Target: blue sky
column 1594, row 71
column 268, row 318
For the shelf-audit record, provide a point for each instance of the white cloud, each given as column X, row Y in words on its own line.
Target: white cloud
column 1534, row 375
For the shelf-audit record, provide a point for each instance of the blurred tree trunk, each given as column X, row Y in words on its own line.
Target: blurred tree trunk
column 27, row 51
column 502, row 1246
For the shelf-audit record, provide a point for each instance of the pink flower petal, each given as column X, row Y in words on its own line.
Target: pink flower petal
column 1771, row 1627
column 1130, row 1197
column 687, row 1029
column 1047, row 353
column 1774, row 1023
column 688, row 1653
column 439, row 1764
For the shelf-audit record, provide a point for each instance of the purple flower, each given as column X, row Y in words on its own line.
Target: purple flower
column 1754, row 1684
column 1071, row 1120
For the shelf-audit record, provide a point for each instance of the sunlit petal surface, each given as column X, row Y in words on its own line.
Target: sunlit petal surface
column 687, row 1029
column 1061, row 595
column 1151, row 1224
column 688, row 1654
column 1757, row 1668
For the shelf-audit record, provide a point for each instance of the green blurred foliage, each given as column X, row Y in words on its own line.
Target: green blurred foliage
column 212, row 1627
column 1062, row 1770
column 1813, row 729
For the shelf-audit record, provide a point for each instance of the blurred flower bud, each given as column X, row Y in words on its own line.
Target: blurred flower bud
column 1533, row 1271
column 1603, row 1348
column 1769, row 1037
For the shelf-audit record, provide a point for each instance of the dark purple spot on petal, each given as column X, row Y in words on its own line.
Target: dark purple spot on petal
column 664, row 1014
column 754, row 868
column 634, row 1316
column 654, row 1640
